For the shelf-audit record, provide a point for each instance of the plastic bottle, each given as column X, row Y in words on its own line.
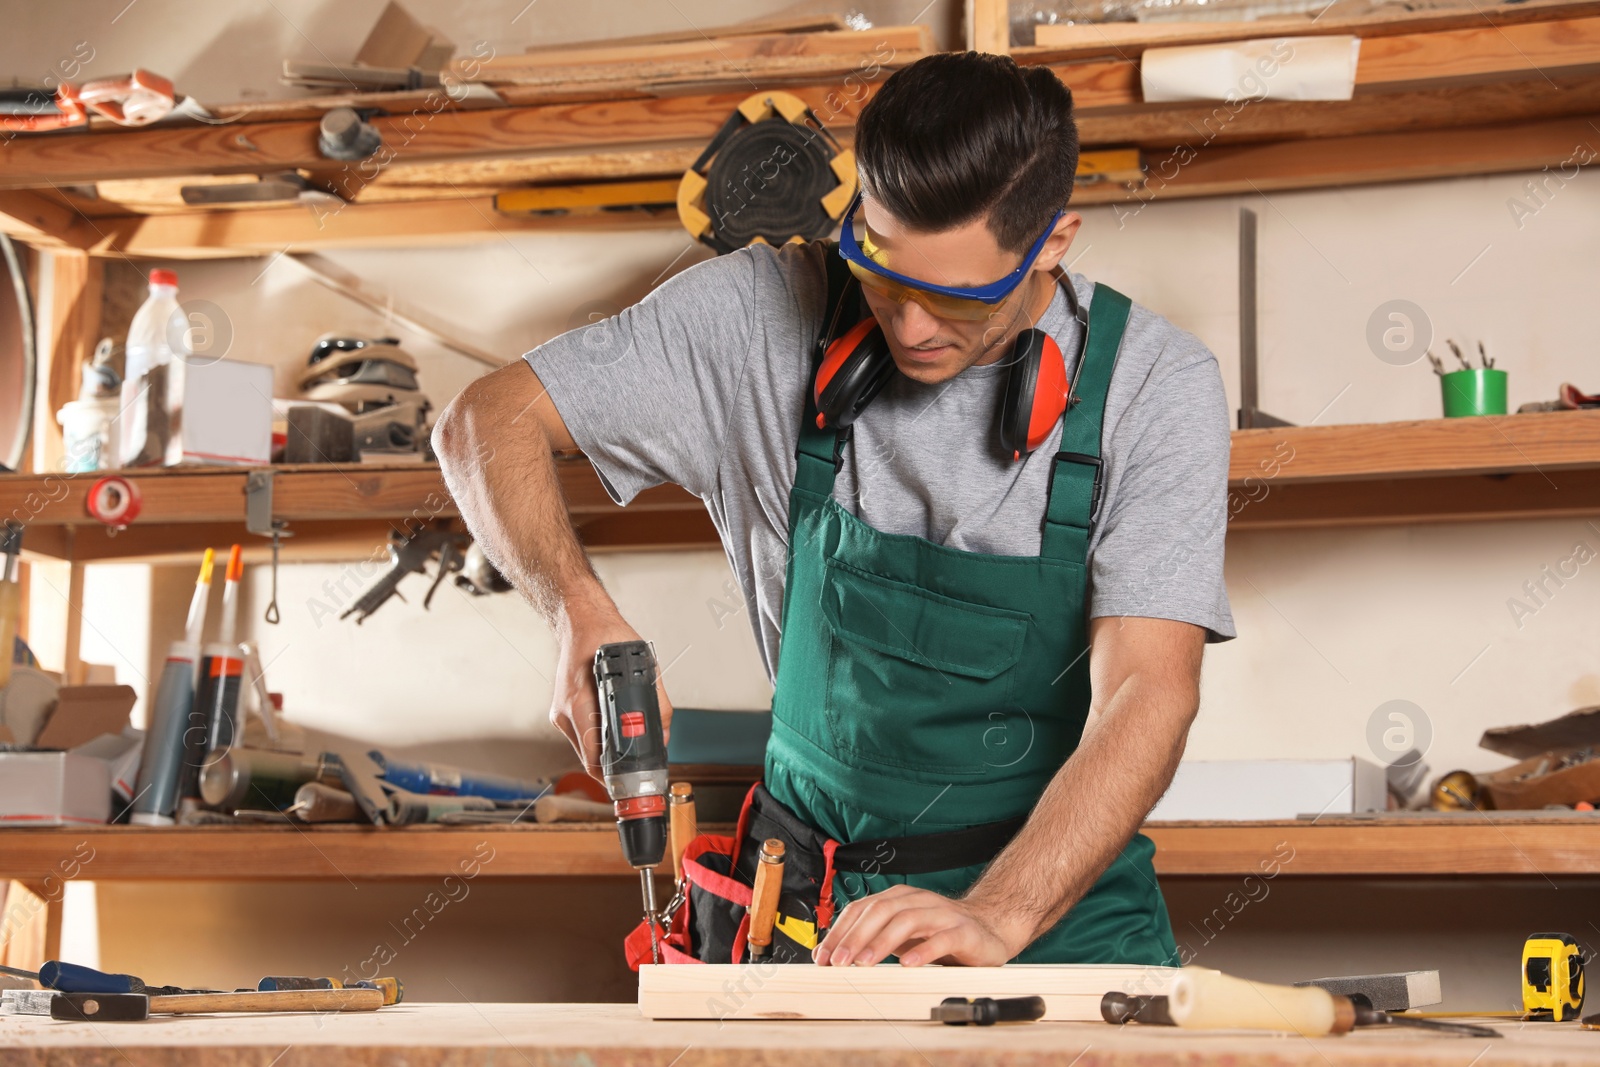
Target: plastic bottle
column 147, row 426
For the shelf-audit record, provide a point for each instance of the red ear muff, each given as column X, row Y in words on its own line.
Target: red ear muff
column 853, row 369
column 1035, row 393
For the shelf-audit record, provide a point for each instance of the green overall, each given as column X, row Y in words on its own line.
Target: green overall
column 923, row 689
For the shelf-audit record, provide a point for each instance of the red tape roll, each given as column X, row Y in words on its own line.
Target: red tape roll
column 114, row 501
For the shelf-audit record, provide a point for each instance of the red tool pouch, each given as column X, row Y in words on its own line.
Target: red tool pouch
column 710, row 923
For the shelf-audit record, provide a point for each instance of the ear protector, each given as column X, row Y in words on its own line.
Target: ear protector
column 1036, row 393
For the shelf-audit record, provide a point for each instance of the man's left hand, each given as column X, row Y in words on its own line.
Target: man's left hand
column 920, row 927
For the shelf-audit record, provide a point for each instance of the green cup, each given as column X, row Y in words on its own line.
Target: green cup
column 1480, row 391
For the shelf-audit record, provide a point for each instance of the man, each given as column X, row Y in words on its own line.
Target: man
column 964, row 631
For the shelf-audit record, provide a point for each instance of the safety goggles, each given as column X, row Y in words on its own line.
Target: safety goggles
column 943, row 301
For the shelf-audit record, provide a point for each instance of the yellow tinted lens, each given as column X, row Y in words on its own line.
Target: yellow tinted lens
column 936, row 304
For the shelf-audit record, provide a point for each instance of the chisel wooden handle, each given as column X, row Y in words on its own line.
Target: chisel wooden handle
column 281, row 1000
column 684, row 825
column 563, row 807
column 764, row 897
column 1208, row 1000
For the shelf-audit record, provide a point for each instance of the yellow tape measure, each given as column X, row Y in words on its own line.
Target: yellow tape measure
column 1552, row 977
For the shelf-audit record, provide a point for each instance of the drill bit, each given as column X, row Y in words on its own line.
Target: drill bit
column 649, row 886
column 1457, row 350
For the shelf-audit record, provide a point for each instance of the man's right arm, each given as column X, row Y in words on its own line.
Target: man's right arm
column 496, row 443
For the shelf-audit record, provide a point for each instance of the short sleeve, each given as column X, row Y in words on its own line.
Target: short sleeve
column 647, row 393
column 1160, row 544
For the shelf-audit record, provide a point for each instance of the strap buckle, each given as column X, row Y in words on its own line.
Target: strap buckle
column 840, row 440
column 1091, row 461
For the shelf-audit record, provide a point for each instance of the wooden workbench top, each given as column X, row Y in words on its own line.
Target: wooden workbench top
column 458, row 1035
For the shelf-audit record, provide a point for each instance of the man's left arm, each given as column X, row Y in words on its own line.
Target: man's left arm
column 1145, row 675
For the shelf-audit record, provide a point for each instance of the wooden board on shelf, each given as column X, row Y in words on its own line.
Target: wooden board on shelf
column 804, row 991
column 1517, row 844
column 1554, row 440
column 674, row 60
column 1129, row 39
column 1430, row 470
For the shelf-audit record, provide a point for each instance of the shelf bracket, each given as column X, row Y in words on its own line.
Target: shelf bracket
column 1250, row 416
column 258, row 520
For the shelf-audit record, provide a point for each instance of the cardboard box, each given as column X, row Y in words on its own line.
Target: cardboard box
column 227, row 413
column 1240, row 790
column 53, row 789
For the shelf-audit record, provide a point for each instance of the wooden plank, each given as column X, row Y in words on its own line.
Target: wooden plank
column 1466, row 846
column 1361, row 159
column 725, row 991
column 72, row 650
column 1522, row 51
column 1520, row 844
column 1263, row 504
column 42, row 221
column 216, row 234
column 1202, row 126
column 1554, row 440
column 25, row 932
column 286, row 853
column 988, row 24
column 258, row 147
column 774, row 24
column 71, row 330
column 1129, row 39
column 670, row 59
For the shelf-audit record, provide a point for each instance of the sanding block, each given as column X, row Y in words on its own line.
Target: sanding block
column 1395, row 991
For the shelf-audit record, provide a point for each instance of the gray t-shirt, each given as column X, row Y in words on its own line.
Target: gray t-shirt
column 702, row 384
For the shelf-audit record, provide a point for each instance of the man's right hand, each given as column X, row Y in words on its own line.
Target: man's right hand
column 575, row 707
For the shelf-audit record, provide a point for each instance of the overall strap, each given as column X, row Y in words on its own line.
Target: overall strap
column 820, row 453
column 1075, row 473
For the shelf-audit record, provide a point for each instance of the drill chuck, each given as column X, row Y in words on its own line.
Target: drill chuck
column 643, row 832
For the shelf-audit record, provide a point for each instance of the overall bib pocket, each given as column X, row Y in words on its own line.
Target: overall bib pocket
column 923, row 675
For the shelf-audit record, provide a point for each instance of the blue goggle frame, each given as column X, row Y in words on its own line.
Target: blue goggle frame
column 993, row 293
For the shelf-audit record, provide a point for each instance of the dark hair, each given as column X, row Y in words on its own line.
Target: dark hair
column 957, row 136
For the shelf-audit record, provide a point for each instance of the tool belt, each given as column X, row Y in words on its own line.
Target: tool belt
column 707, row 920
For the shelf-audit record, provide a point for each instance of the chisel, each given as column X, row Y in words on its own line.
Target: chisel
column 764, row 898
column 1207, row 1000
column 134, row 1007
column 684, row 825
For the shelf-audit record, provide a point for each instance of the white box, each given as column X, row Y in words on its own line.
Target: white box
column 227, row 413
column 53, row 789
column 1237, row 790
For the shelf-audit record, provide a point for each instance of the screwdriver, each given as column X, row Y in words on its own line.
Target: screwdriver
column 73, row 978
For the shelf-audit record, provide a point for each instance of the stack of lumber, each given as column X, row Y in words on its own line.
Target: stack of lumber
column 666, row 62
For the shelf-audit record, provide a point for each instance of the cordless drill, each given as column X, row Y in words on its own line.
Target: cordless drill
column 633, row 759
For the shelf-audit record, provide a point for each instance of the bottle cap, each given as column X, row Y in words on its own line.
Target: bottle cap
column 162, row 276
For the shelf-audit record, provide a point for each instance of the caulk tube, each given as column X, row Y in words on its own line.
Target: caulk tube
column 223, row 664
column 156, row 797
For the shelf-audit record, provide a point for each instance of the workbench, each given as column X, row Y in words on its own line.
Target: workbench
column 532, row 1035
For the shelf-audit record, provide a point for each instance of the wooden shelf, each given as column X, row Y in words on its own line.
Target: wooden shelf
column 1506, row 844
column 334, row 512
column 1433, row 470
